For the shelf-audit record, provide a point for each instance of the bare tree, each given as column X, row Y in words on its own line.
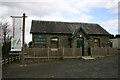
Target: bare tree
column 6, row 36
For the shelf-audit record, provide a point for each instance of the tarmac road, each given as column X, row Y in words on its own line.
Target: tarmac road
column 98, row 68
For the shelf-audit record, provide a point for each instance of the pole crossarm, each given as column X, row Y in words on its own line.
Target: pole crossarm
column 18, row 16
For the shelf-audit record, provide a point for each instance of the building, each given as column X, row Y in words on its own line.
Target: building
column 55, row 34
column 114, row 42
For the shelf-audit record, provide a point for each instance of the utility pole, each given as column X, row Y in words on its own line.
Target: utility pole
column 23, row 39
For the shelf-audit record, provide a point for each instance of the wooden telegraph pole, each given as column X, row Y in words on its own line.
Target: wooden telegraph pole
column 23, row 39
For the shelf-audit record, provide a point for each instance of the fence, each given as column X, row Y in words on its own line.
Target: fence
column 106, row 51
column 53, row 53
column 9, row 60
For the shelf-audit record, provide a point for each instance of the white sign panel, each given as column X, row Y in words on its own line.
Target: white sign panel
column 16, row 36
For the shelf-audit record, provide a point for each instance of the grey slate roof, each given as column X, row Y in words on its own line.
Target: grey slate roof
column 65, row 27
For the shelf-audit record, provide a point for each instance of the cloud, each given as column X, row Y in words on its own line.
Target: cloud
column 51, row 7
column 87, row 5
column 55, row 10
column 111, row 25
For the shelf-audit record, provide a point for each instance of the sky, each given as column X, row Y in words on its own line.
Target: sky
column 102, row 12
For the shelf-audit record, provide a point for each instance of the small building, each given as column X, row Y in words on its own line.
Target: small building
column 55, row 34
column 114, row 42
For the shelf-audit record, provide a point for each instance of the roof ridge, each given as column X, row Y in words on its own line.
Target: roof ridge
column 64, row 22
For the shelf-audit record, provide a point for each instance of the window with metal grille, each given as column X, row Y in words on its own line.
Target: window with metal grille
column 40, row 41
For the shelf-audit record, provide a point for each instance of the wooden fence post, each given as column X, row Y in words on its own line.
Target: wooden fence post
column 28, row 52
column 48, row 53
column 8, row 60
column 107, row 50
column 91, row 52
column 18, row 57
column 14, row 58
column 34, row 54
column 81, row 51
column 63, row 53
column 73, row 51
column 11, row 59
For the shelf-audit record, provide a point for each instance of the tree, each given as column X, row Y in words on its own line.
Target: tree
column 25, row 45
column 6, row 37
column 30, row 44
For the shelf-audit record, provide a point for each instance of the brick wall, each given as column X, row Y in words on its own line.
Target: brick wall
column 64, row 42
column 103, row 41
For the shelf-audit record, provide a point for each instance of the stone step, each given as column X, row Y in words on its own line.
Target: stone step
column 87, row 57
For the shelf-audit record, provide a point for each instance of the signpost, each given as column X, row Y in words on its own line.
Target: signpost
column 23, row 61
column 18, row 40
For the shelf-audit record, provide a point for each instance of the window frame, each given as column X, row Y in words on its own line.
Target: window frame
column 40, row 41
column 97, row 42
column 53, row 42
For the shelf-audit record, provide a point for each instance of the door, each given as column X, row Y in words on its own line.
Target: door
column 80, row 43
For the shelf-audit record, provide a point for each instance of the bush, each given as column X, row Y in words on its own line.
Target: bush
column 6, row 49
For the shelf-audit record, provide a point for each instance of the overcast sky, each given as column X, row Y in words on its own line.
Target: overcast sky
column 103, row 12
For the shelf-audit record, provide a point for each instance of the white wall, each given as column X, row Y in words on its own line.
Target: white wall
column 115, row 43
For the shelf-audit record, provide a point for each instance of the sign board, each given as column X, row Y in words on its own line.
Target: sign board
column 16, row 43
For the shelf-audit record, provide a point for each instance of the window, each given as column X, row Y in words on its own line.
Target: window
column 96, row 42
column 110, row 43
column 54, row 42
column 40, row 41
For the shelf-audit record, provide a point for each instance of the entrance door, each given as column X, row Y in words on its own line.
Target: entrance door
column 80, row 43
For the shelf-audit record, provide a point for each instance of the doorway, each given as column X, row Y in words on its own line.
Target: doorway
column 80, row 43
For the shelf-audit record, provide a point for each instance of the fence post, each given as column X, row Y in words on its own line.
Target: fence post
column 48, row 53
column 34, row 54
column 2, row 61
column 106, row 51
column 103, row 51
column 63, row 53
column 14, row 58
column 81, row 51
column 27, row 52
column 18, row 57
column 8, row 60
column 91, row 52
column 11, row 59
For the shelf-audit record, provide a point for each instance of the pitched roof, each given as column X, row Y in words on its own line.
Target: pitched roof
column 65, row 27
